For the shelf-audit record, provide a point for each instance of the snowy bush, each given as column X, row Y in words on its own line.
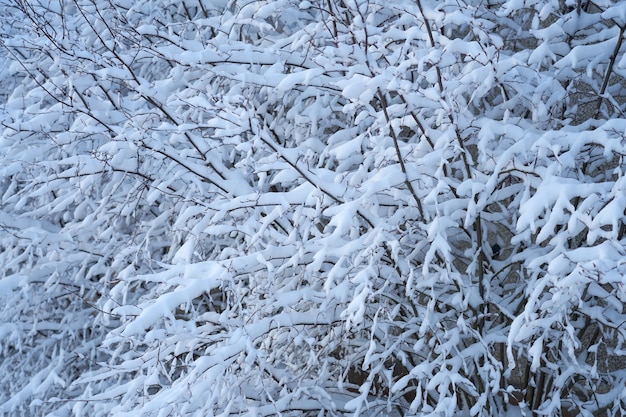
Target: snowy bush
column 323, row 207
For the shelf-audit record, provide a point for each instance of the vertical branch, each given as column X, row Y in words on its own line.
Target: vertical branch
column 468, row 172
column 609, row 69
column 432, row 42
column 407, row 181
column 335, row 32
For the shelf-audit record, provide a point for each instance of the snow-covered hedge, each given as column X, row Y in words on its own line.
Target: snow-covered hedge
column 323, row 207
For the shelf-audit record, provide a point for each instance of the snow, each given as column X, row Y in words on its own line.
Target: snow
column 286, row 208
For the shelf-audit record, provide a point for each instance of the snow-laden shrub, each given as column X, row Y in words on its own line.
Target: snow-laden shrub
column 327, row 207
